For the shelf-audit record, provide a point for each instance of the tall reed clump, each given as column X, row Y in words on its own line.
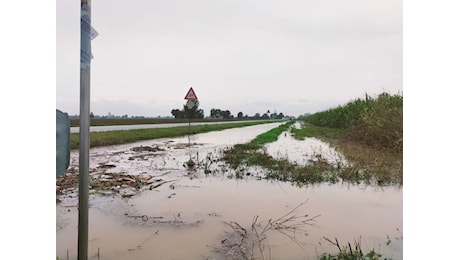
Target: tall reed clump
column 380, row 124
column 376, row 122
column 340, row 117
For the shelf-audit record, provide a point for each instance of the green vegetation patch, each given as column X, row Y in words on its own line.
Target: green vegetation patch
column 375, row 122
column 366, row 163
column 369, row 164
column 272, row 135
column 310, row 130
column 249, row 153
column 349, row 252
column 368, row 132
column 252, row 154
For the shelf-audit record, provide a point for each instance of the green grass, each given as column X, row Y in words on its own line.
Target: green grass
column 248, row 153
column 272, row 135
column 252, row 154
column 309, row 130
column 368, row 164
column 128, row 136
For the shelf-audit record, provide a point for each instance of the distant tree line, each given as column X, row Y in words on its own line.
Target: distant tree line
column 220, row 114
column 193, row 113
column 196, row 113
column 217, row 113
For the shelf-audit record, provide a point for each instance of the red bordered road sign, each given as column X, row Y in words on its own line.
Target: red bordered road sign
column 191, row 95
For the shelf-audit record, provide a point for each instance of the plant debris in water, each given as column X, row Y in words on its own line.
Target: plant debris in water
column 252, row 242
column 125, row 184
column 349, row 252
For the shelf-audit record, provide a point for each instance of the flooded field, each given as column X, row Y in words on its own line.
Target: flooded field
column 301, row 152
column 206, row 212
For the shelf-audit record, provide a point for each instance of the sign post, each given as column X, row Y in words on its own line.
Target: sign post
column 87, row 33
column 191, row 98
column 191, row 95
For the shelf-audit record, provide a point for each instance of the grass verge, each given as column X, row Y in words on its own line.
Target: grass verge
column 135, row 121
column 128, row 136
column 366, row 163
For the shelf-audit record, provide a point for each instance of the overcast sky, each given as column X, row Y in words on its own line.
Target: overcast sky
column 324, row 54
column 295, row 57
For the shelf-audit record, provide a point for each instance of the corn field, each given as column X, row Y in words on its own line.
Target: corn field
column 376, row 122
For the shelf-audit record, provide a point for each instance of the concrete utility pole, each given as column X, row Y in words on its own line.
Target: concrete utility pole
column 85, row 69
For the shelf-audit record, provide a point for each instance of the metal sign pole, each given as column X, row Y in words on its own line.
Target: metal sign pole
column 85, row 68
column 191, row 98
column 189, row 121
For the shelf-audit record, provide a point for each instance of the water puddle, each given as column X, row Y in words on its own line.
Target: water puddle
column 304, row 151
column 159, row 155
column 185, row 214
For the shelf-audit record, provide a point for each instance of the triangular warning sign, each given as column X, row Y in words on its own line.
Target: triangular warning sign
column 191, row 95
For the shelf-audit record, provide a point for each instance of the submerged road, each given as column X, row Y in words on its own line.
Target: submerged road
column 130, row 127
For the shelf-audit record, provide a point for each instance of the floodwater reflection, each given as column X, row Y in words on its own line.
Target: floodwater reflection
column 193, row 212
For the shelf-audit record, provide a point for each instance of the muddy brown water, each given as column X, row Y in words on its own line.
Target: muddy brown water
column 188, row 216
